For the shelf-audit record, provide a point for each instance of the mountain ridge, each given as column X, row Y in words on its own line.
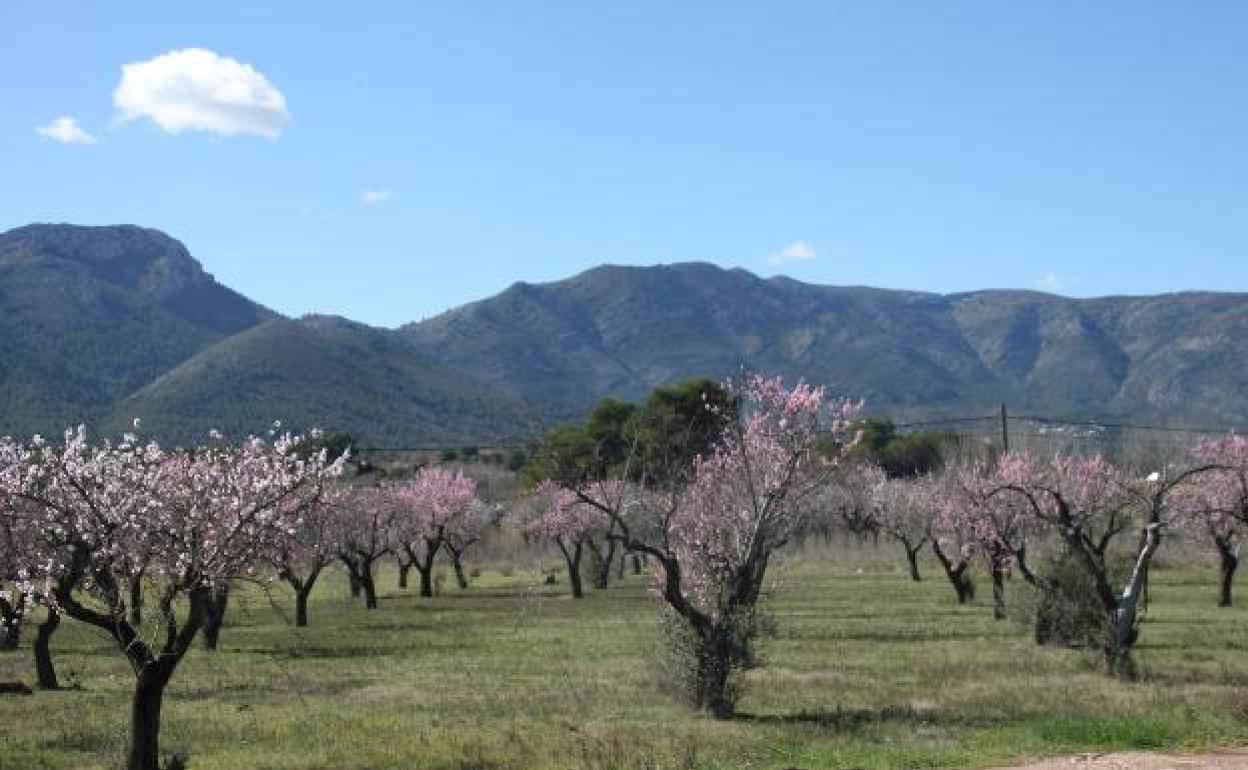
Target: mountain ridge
column 98, row 324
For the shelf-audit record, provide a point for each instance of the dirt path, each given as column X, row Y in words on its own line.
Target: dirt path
column 1222, row 760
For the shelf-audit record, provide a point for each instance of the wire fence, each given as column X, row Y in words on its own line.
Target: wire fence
column 975, row 434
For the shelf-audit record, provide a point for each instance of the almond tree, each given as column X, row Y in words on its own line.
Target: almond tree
column 850, row 498
column 312, row 545
column 465, row 531
column 900, row 513
column 955, row 545
column 1215, row 506
column 364, row 528
column 568, row 521
column 713, row 537
column 1089, row 503
column 998, row 528
column 425, row 506
column 201, row 517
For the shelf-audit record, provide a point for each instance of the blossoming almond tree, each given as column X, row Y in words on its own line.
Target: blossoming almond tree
column 713, row 538
column 364, row 531
column 1215, row 506
column 309, row 547
column 465, row 531
column 1089, row 503
column 955, row 546
column 999, row 527
column 901, row 514
column 568, row 521
column 850, row 498
column 199, row 518
column 426, row 505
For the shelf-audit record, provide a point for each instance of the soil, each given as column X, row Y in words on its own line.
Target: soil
column 1222, row 760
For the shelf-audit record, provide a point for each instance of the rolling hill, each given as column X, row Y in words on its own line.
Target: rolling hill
column 321, row 371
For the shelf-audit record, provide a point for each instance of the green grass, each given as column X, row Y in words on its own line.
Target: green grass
column 867, row 670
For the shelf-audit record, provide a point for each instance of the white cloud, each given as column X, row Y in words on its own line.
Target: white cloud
column 1051, row 282
column 376, row 196
column 797, row 251
column 66, row 131
column 196, row 90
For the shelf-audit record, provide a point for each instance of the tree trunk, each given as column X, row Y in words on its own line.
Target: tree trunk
column 998, row 593
column 216, row 605
column 961, row 581
column 636, row 564
column 461, row 578
column 573, row 559
column 370, row 588
column 301, row 606
column 714, row 667
column 619, row 567
column 1228, row 562
column 45, row 671
column 426, row 578
column 404, row 568
column 912, row 558
column 602, row 575
column 149, row 691
column 1118, row 656
column 136, row 600
column 599, row 563
column 354, row 582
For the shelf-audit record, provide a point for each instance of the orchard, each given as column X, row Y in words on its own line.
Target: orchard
column 726, row 498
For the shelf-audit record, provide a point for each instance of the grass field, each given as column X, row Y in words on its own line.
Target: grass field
column 866, row 670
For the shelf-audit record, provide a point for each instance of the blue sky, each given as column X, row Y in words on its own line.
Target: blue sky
column 386, row 161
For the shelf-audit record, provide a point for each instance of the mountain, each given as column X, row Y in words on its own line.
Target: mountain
column 321, row 371
column 89, row 314
column 622, row 330
column 103, row 324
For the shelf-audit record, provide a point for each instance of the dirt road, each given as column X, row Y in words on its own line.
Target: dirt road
column 1225, row 760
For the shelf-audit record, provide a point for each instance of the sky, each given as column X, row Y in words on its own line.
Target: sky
column 389, row 160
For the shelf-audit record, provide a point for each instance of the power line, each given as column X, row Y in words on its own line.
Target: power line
column 512, row 443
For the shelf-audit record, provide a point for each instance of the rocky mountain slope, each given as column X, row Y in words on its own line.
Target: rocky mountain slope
column 102, row 324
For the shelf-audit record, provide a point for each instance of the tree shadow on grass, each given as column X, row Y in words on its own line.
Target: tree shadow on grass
column 854, row 721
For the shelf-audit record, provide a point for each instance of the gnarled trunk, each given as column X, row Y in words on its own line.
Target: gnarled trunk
column 572, row 557
column 404, row 569
column 714, row 661
column 149, row 692
column 958, row 574
column 301, row 607
column 136, row 600
column 45, row 670
column 1228, row 561
column 426, row 578
column 998, row 592
column 912, row 559
column 1118, row 653
column 457, row 561
column 600, row 562
column 214, row 615
column 369, row 587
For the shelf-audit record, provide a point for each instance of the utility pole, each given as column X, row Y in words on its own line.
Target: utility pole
column 1005, row 430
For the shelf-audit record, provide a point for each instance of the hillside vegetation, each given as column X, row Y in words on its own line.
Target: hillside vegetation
column 103, row 324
